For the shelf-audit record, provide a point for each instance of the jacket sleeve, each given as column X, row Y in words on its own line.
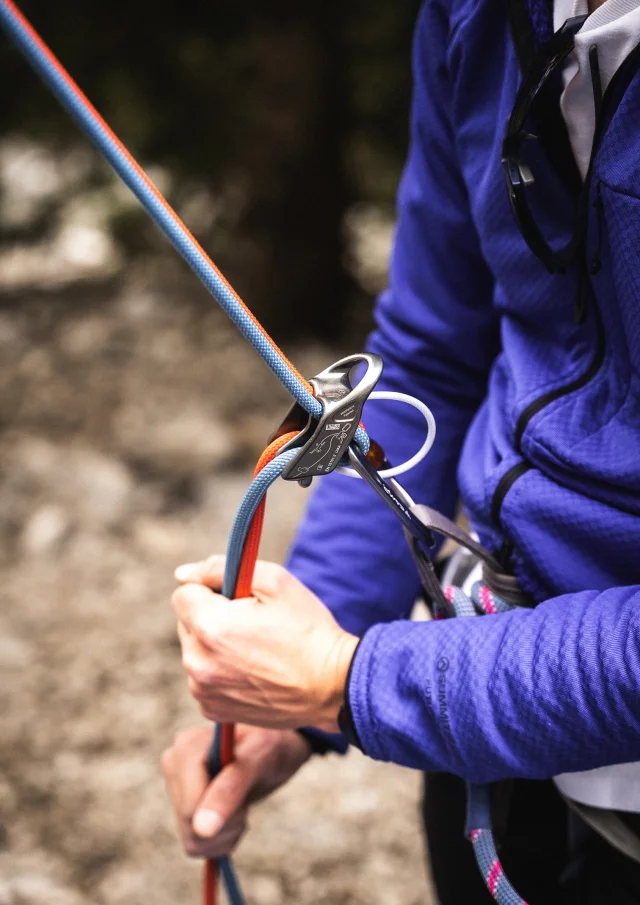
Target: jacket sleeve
column 532, row 693
column 438, row 335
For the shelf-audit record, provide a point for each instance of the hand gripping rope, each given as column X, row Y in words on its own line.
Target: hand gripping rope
column 321, row 434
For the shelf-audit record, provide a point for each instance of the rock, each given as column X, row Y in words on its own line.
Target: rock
column 89, row 486
column 36, row 457
column 161, row 537
column 101, row 486
column 85, row 336
column 45, row 529
column 85, row 249
column 191, row 441
column 265, row 889
column 15, row 653
column 26, row 880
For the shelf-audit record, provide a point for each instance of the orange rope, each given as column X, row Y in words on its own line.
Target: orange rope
column 243, row 589
column 210, row 882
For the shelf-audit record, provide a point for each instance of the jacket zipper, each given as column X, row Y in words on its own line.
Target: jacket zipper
column 504, row 486
column 543, row 401
column 624, row 73
column 510, row 477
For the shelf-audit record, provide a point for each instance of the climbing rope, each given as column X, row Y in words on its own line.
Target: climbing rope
column 482, row 601
column 242, row 553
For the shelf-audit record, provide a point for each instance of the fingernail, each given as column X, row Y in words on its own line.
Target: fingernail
column 206, row 823
column 185, row 571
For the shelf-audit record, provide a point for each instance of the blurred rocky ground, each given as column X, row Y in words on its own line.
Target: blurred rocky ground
column 132, row 414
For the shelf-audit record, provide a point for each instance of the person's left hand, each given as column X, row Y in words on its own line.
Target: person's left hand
column 277, row 659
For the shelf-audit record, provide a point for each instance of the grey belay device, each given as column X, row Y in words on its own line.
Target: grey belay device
column 326, row 443
column 342, row 404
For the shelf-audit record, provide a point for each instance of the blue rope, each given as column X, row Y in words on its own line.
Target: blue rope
column 482, row 601
column 230, row 880
column 491, row 869
column 242, row 522
column 67, row 93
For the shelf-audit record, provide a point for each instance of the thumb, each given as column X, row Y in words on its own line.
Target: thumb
column 209, row 572
column 223, row 797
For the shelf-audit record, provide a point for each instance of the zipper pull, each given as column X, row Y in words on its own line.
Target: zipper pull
column 596, row 262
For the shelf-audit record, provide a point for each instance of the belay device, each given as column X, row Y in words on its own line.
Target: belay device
column 320, row 435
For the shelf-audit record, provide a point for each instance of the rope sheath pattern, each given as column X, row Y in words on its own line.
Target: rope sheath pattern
column 491, row 869
column 482, row 601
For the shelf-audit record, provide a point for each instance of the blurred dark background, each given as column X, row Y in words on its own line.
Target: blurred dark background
column 282, row 126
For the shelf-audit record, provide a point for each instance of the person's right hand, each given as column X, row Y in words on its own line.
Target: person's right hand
column 212, row 814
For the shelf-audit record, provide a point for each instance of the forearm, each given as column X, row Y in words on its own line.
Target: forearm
column 532, row 693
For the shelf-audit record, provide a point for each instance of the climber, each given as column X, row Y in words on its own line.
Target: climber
column 512, row 311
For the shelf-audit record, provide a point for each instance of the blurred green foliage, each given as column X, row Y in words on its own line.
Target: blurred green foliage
column 289, row 111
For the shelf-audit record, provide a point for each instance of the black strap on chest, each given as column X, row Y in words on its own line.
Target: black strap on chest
column 551, row 128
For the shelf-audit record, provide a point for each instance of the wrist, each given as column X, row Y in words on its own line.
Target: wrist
column 321, row 743
column 335, row 680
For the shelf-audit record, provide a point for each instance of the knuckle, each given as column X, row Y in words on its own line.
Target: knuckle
column 196, row 690
column 203, row 699
column 192, row 847
column 208, row 711
column 179, row 597
column 204, row 626
column 206, row 630
column 232, row 840
column 201, row 674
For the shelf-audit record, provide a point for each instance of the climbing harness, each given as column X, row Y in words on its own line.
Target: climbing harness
column 321, row 433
